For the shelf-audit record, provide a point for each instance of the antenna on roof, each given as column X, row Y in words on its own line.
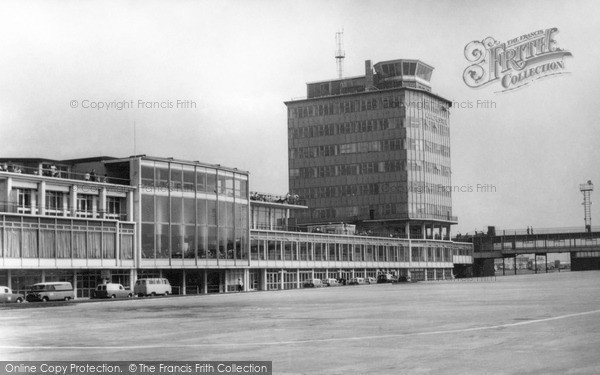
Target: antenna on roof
column 339, row 53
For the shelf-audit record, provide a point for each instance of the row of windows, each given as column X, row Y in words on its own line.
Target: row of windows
column 419, row 102
column 368, row 147
column 317, row 251
column 163, row 241
column 171, row 177
column 377, row 211
column 430, row 123
column 375, row 188
column 57, row 203
column 370, row 168
column 164, row 209
column 54, row 241
column 352, row 127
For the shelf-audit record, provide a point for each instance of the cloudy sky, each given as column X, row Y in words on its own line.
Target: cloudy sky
column 236, row 62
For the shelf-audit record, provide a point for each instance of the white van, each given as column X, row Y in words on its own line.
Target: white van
column 152, row 287
column 50, row 291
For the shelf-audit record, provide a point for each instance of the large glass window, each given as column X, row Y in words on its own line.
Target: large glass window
column 201, row 179
column 148, row 248
column 162, row 241
column 162, row 209
column 189, row 211
column 148, row 175
column 202, row 241
column 189, row 179
column 211, row 181
column 176, row 178
column 176, row 210
column 212, row 243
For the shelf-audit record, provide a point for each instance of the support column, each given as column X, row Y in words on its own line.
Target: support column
column 407, row 230
column 132, row 278
column 34, row 207
column 7, row 196
column 281, row 277
column 423, row 231
column 73, row 200
column 42, row 197
column 515, row 264
column 9, row 278
column 263, row 281
column 246, row 279
column 535, row 262
column 74, row 284
column 102, row 203
column 204, row 282
column 130, row 216
column 183, row 283
column 297, row 278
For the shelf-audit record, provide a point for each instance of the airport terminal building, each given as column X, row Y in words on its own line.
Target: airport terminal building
column 198, row 225
column 369, row 168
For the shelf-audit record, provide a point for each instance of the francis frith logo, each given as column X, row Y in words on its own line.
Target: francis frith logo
column 514, row 63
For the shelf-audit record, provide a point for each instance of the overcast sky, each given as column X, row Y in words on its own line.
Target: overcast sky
column 238, row 61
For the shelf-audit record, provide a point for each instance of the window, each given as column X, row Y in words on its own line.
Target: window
column 54, row 203
column 113, row 206
column 85, row 205
column 24, row 200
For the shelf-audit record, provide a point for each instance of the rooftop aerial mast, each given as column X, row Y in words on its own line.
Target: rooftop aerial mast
column 339, row 53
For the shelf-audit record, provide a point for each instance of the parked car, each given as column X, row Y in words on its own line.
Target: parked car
column 357, row 281
column 45, row 292
column 342, row 281
column 313, row 283
column 7, row 296
column 370, row 280
column 111, row 290
column 386, row 278
column 152, row 287
column 331, row 282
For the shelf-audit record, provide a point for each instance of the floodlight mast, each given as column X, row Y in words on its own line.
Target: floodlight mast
column 587, row 189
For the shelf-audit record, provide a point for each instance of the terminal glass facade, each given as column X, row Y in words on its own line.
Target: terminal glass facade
column 193, row 212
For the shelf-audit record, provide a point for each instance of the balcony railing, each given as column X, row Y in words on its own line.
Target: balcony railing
column 56, row 173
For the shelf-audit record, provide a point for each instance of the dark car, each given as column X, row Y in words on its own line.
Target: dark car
column 342, row 281
column 386, row 278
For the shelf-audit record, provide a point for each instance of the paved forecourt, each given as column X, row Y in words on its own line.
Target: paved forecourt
column 548, row 323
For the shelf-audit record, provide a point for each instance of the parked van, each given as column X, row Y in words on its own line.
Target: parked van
column 50, row 292
column 152, row 287
column 110, row 290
